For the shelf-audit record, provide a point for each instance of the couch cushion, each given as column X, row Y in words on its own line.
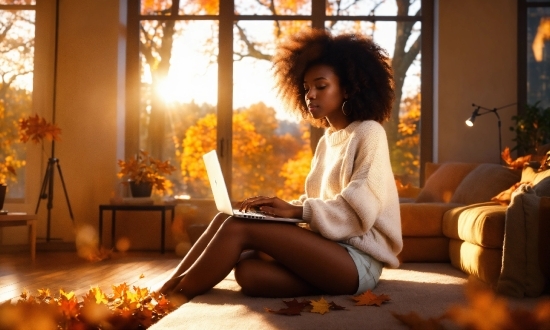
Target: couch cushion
column 483, row 263
column 423, row 219
column 481, row 224
column 521, row 273
column 442, row 184
column 484, row 182
column 424, row 249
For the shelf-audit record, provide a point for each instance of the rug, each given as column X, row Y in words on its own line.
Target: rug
column 427, row 289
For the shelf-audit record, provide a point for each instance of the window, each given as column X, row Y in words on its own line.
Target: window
column 17, row 18
column 534, row 52
column 204, row 83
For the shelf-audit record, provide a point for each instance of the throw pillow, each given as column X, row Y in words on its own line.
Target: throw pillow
column 530, row 174
column 504, row 197
column 484, row 182
column 441, row 185
column 521, row 273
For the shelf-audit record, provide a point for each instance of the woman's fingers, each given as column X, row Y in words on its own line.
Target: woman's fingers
column 255, row 202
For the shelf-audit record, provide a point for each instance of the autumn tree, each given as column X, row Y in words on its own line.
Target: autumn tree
column 157, row 37
column 16, row 61
column 406, row 157
column 256, row 166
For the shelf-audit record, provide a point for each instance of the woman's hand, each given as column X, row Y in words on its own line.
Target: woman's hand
column 272, row 206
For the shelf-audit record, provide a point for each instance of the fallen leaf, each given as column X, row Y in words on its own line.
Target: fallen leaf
column 336, row 307
column 415, row 322
column 320, row 306
column 294, row 307
column 141, row 276
column 483, row 311
column 368, row 298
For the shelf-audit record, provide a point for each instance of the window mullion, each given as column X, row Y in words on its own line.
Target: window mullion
column 225, row 89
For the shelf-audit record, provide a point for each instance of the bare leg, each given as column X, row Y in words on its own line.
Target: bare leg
column 194, row 253
column 306, row 262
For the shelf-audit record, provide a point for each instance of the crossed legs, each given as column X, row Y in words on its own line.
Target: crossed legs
column 270, row 259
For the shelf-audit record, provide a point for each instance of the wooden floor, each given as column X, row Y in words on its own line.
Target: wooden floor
column 67, row 271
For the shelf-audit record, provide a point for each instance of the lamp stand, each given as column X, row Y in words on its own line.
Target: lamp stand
column 46, row 192
column 477, row 113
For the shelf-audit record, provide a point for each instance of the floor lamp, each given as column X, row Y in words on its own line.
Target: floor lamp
column 477, row 112
column 46, row 191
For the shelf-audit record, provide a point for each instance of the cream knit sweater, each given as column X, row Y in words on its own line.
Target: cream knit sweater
column 350, row 193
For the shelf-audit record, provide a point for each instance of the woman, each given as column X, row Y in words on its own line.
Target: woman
column 350, row 206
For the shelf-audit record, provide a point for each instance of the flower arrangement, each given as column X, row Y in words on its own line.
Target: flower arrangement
column 145, row 168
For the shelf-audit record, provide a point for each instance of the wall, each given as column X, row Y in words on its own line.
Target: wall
column 476, row 62
column 88, row 83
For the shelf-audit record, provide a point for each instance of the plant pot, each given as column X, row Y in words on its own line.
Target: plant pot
column 142, row 189
column 3, row 189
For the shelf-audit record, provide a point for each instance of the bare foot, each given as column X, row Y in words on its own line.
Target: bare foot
column 169, row 285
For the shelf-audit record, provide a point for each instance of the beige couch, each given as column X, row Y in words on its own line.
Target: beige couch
column 453, row 219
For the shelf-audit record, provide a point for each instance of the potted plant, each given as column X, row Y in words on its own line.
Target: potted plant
column 532, row 129
column 144, row 173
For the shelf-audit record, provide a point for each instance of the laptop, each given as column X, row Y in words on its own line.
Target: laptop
column 221, row 196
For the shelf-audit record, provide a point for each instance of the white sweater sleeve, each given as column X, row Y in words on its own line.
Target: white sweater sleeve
column 354, row 210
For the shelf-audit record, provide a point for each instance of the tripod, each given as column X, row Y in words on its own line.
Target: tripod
column 47, row 184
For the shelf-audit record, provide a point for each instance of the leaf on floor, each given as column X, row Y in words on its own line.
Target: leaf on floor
column 294, row 307
column 368, row 298
column 320, row 306
column 416, row 322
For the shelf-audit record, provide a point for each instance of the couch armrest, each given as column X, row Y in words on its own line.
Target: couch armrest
column 423, row 219
column 544, row 246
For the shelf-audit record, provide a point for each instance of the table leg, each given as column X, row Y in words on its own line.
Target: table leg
column 32, row 238
column 100, row 234
column 113, row 222
column 162, row 230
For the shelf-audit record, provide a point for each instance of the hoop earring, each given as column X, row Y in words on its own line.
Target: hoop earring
column 343, row 111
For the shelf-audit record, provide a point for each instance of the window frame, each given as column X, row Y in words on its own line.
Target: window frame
column 31, row 156
column 226, row 17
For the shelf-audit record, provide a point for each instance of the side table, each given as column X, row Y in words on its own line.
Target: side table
column 21, row 219
column 162, row 208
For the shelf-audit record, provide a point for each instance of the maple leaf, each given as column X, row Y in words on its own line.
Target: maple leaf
column 119, row 291
column 335, row 307
column 36, row 129
column 368, row 298
column 415, row 322
column 320, row 306
column 484, row 311
column 294, row 307
column 43, row 294
column 24, row 295
column 141, row 276
column 163, row 306
column 95, row 294
column 517, row 163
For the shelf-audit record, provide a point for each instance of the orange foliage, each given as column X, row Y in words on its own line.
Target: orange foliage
column 263, row 161
column 514, row 163
column 36, row 129
column 368, row 298
column 126, row 308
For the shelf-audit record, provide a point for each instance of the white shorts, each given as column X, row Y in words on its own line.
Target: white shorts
column 368, row 268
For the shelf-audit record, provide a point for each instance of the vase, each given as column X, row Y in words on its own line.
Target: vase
column 3, row 189
column 142, row 189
